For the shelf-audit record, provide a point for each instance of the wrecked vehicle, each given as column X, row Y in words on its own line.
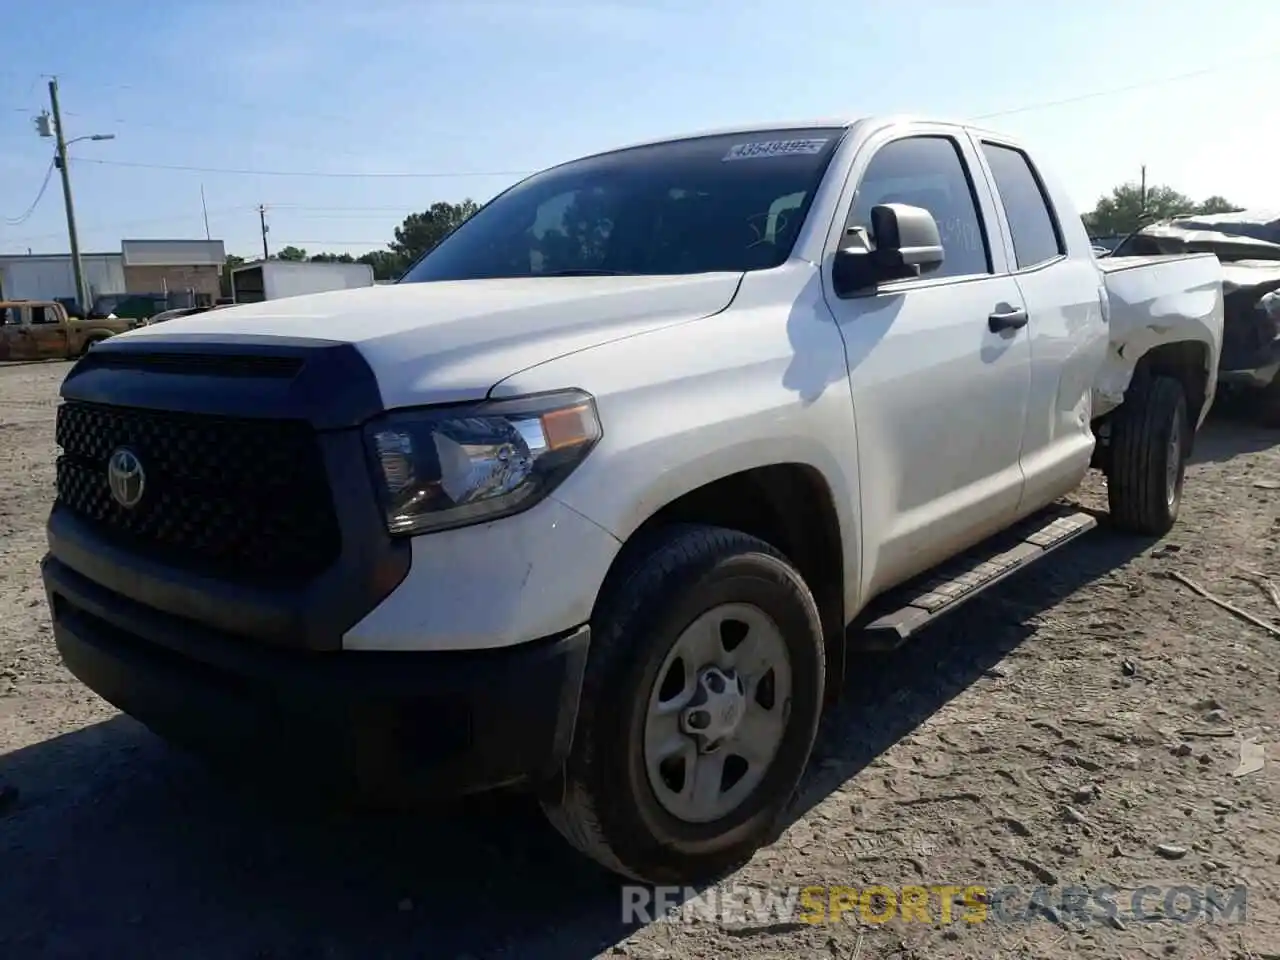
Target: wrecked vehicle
column 1248, row 245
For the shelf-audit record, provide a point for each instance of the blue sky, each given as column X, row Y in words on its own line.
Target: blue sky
column 499, row 87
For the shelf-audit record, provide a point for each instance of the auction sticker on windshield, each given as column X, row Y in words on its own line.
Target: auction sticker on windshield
column 774, row 148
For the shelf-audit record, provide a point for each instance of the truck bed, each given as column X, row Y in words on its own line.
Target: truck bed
column 1151, row 300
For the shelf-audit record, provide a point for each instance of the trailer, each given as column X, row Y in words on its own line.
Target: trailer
column 274, row 279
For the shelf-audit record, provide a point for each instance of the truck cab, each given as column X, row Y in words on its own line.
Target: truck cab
column 42, row 330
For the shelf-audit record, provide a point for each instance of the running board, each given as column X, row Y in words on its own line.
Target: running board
column 904, row 610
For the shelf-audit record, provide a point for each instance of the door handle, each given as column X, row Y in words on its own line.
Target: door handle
column 1003, row 320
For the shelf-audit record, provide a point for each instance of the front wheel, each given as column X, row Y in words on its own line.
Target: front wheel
column 699, row 708
column 1150, row 440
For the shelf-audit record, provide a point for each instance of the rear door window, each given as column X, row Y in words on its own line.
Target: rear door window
column 1032, row 221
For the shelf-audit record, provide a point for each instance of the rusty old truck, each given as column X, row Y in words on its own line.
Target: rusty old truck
column 42, row 330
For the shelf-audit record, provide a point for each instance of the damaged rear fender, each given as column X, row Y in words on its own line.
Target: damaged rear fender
column 1155, row 303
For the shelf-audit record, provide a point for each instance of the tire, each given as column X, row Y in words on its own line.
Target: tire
column 1147, row 466
column 606, row 804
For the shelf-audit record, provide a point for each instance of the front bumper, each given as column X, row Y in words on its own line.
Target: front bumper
column 326, row 677
column 399, row 726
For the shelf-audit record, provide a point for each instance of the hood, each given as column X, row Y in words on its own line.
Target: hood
column 449, row 341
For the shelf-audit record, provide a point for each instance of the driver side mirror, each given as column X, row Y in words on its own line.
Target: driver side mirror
column 906, row 244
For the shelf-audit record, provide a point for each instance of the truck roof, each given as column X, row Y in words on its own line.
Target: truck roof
column 841, row 123
column 745, row 129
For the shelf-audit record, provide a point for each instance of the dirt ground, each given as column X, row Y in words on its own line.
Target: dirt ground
column 1080, row 725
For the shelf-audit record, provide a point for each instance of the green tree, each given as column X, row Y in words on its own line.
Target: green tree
column 1217, row 204
column 224, row 282
column 386, row 265
column 1124, row 210
column 415, row 236
column 422, row 231
column 578, row 240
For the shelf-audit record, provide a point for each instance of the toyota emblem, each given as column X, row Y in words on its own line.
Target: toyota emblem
column 125, row 477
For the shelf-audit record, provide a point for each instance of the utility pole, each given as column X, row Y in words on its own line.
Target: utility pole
column 46, row 130
column 1142, row 195
column 205, row 210
column 82, row 295
column 262, row 219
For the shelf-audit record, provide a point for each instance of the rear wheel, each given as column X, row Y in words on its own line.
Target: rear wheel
column 699, row 709
column 88, row 344
column 1150, row 440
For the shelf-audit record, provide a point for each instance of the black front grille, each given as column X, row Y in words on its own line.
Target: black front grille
column 240, row 499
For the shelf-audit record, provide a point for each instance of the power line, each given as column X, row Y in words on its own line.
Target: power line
column 44, row 185
column 310, row 173
column 175, row 218
column 241, row 106
column 1042, row 105
column 337, row 243
column 1142, row 85
column 303, row 213
column 1027, row 108
column 189, row 131
column 309, row 208
column 299, row 210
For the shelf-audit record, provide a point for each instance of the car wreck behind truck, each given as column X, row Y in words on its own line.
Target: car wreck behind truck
column 1248, row 244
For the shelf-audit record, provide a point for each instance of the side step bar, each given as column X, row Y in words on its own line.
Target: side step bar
column 904, row 610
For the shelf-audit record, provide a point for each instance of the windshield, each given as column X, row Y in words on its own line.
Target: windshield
column 719, row 203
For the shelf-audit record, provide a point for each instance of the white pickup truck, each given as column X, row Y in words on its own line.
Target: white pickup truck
column 599, row 497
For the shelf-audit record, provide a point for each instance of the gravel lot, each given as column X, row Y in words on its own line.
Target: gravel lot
column 1057, row 732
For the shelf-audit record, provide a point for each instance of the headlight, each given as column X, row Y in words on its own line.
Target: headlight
column 448, row 467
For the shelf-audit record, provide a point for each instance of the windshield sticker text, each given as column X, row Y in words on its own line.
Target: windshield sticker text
column 774, row 148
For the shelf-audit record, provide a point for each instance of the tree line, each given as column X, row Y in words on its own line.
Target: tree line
column 415, row 236
column 1129, row 207
column 1122, row 211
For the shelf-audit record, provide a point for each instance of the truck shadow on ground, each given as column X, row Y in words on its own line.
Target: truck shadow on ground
column 120, row 846
column 1232, row 429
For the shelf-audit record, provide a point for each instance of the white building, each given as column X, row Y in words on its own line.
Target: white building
column 49, row 276
column 141, row 266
